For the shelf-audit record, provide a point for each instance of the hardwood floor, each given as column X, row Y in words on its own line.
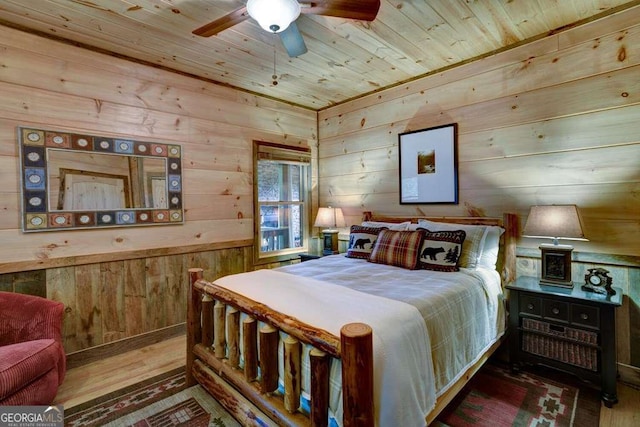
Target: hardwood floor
column 626, row 412
column 97, row 379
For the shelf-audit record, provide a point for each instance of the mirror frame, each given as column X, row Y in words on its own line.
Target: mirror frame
column 36, row 213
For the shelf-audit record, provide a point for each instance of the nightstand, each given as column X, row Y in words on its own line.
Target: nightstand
column 565, row 328
column 308, row 257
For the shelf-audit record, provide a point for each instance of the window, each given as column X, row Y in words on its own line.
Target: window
column 282, row 200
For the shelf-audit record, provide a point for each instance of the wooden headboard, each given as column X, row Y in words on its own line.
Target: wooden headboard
column 506, row 257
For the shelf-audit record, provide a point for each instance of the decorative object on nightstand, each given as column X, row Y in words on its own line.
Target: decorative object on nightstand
column 567, row 329
column 330, row 219
column 598, row 280
column 555, row 222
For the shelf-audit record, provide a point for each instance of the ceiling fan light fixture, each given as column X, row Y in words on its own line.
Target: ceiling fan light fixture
column 274, row 15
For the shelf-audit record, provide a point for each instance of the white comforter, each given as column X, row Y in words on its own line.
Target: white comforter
column 456, row 315
column 464, row 311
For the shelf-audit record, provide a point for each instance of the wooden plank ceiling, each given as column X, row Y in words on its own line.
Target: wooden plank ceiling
column 346, row 58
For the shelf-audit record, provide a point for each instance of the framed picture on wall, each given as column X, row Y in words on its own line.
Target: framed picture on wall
column 429, row 165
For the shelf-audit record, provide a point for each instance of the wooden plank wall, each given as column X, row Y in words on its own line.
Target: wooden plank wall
column 113, row 300
column 554, row 121
column 48, row 84
column 551, row 122
column 118, row 283
column 110, row 301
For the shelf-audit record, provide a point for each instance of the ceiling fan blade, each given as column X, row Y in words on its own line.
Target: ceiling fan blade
column 293, row 41
column 220, row 24
column 364, row 10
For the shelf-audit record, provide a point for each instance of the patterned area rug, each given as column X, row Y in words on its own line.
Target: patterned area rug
column 493, row 398
column 193, row 407
column 161, row 401
column 99, row 411
column 188, row 412
column 496, row 398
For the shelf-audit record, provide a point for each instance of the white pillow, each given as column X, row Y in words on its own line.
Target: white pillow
column 396, row 226
column 472, row 245
column 490, row 247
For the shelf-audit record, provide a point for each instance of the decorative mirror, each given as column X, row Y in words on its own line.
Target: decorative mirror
column 77, row 181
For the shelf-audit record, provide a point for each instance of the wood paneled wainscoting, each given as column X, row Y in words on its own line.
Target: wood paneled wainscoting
column 118, row 302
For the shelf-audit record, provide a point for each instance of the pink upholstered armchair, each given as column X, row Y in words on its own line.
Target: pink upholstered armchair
column 32, row 358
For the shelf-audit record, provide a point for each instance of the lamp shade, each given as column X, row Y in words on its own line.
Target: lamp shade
column 330, row 218
column 274, row 15
column 554, row 221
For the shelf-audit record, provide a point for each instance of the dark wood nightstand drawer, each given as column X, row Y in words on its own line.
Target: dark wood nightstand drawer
column 565, row 328
column 556, row 310
column 585, row 315
column 530, row 305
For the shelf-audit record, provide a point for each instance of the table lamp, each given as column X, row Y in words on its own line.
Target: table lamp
column 555, row 222
column 330, row 219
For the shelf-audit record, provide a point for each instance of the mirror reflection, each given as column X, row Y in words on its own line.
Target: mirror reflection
column 75, row 181
column 81, row 180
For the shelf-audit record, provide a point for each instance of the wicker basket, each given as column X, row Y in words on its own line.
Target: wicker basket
column 567, row 345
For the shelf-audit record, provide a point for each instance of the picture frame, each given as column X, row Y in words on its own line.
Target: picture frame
column 556, row 265
column 428, row 165
column 79, row 181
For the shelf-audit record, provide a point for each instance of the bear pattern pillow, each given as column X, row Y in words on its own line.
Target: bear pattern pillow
column 441, row 250
column 472, row 247
column 361, row 241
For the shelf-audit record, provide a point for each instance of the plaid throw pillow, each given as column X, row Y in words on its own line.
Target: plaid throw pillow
column 441, row 250
column 399, row 248
column 361, row 241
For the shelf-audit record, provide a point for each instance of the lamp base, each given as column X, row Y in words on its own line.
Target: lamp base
column 556, row 265
column 330, row 246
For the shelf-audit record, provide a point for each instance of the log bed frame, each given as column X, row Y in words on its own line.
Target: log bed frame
column 251, row 396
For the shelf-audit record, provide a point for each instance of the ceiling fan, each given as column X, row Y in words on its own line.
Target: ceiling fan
column 278, row 16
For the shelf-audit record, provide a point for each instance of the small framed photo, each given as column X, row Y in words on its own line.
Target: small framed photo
column 556, row 265
column 429, row 165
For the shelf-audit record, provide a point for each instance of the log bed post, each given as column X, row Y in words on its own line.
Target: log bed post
column 510, row 225
column 194, row 327
column 268, row 337
column 233, row 332
column 320, row 364
column 250, row 338
column 292, row 374
column 219, row 328
column 207, row 320
column 356, row 352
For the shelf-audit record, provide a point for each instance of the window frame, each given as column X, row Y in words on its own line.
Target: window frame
column 286, row 154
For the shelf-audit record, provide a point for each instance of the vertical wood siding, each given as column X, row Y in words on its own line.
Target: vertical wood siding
column 114, row 300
